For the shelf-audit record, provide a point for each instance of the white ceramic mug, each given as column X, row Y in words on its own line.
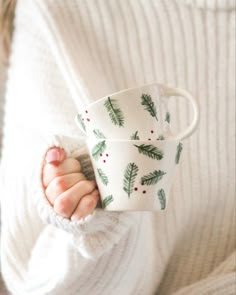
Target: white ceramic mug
column 134, row 175
column 139, row 113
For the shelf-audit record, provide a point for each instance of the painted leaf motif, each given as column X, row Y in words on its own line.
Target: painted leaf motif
column 107, row 201
column 98, row 133
column 161, row 137
column 153, row 177
column 178, row 152
column 103, row 177
column 162, row 198
column 134, row 136
column 149, row 105
column 167, row 119
column 150, row 150
column 115, row 113
column 98, row 149
column 129, row 178
column 80, row 121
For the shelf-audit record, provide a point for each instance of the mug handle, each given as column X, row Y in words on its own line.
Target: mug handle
column 173, row 91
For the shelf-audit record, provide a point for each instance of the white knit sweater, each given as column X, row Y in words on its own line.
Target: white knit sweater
column 68, row 53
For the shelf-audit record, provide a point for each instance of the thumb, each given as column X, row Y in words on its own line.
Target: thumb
column 55, row 155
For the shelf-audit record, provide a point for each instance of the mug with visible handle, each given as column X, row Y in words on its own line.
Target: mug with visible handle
column 133, row 150
column 139, row 113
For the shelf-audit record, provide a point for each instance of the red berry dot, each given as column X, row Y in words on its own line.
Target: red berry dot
column 142, row 183
column 149, row 138
column 135, row 188
column 107, row 155
column 104, row 161
column 100, row 155
column 152, row 131
column 88, row 119
column 144, row 192
column 86, row 112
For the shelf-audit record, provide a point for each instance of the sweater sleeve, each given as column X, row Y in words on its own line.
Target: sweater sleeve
column 39, row 114
column 96, row 233
column 42, row 252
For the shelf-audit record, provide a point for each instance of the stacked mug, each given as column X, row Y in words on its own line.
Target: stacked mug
column 133, row 151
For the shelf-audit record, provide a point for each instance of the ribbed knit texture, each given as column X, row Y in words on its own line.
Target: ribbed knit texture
column 2, row 99
column 68, row 53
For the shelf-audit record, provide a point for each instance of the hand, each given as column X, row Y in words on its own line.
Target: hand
column 66, row 188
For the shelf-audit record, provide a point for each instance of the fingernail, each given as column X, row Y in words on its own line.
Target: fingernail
column 75, row 217
column 53, row 155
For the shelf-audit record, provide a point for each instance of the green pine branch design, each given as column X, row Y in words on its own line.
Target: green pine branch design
column 149, row 105
column 107, row 201
column 162, row 197
column 80, row 121
column 103, row 177
column 115, row 113
column 153, row 177
column 134, row 136
column 167, row 119
column 178, row 153
column 161, row 137
column 129, row 178
column 150, row 150
column 98, row 149
column 98, row 133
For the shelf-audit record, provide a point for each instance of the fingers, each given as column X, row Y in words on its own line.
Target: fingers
column 50, row 171
column 62, row 183
column 86, row 206
column 67, row 202
column 66, row 187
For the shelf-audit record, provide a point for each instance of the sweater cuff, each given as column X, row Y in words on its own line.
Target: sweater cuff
column 99, row 231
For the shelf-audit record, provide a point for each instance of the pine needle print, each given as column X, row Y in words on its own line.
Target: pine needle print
column 129, row 178
column 167, row 119
column 149, row 105
column 98, row 149
column 107, row 201
column 80, row 121
column 134, row 136
column 102, row 176
column 178, row 153
column 115, row 113
column 161, row 137
column 153, row 177
column 162, row 197
column 150, row 150
column 98, row 133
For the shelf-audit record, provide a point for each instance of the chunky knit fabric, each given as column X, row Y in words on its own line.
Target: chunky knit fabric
column 66, row 54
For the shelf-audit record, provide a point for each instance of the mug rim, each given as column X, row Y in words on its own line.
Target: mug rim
column 170, row 140
column 124, row 91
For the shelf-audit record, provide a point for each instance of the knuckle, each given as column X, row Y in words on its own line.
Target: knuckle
column 61, row 206
column 74, row 164
column 77, row 165
column 90, row 202
column 60, row 183
column 89, row 185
